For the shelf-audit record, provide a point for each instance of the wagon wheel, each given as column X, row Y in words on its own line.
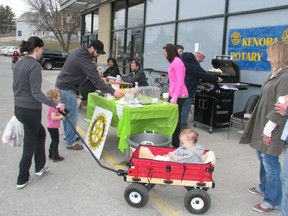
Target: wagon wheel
column 136, row 195
column 197, row 201
column 188, row 188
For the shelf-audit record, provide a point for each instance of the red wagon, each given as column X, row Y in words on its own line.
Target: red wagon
column 145, row 173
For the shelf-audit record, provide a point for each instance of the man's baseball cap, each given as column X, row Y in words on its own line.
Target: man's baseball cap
column 98, row 45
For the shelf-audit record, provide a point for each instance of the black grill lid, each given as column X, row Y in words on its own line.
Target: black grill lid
column 230, row 70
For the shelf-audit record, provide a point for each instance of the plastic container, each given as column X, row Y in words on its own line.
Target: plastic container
column 131, row 95
column 148, row 139
column 115, row 85
column 111, row 79
column 118, row 79
column 149, row 94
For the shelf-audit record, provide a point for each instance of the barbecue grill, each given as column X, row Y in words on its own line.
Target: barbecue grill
column 214, row 101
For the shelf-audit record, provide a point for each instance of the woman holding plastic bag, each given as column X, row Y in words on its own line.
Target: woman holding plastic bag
column 28, row 99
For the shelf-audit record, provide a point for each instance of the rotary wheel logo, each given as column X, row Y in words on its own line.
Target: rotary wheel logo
column 236, row 38
column 285, row 36
column 97, row 131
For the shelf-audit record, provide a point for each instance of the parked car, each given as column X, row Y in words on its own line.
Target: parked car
column 12, row 49
column 2, row 48
column 5, row 50
column 53, row 58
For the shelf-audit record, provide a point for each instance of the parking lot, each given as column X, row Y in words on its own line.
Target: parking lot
column 78, row 186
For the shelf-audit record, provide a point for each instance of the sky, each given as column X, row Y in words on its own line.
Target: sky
column 18, row 6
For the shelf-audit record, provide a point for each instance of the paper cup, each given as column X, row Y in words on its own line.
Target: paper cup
column 165, row 98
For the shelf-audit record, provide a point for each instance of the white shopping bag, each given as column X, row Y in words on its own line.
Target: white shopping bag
column 13, row 133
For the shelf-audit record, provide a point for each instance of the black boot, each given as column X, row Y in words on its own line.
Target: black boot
column 57, row 157
column 50, row 154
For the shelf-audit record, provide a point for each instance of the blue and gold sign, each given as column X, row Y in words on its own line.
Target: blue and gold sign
column 248, row 46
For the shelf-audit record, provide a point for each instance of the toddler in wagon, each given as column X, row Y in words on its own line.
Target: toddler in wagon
column 188, row 152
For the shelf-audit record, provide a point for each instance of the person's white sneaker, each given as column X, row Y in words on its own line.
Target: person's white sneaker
column 41, row 172
column 25, row 184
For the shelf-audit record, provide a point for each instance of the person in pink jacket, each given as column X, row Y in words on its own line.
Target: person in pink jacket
column 177, row 89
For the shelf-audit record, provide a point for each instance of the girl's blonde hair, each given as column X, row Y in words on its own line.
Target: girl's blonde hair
column 190, row 134
column 53, row 93
column 278, row 51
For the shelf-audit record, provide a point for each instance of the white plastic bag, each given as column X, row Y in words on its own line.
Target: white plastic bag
column 13, row 133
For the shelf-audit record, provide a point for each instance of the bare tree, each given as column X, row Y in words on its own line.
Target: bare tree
column 50, row 18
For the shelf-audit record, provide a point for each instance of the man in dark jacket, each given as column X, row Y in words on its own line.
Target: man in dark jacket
column 79, row 66
column 136, row 75
column 194, row 73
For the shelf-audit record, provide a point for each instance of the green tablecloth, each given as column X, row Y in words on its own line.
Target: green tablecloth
column 161, row 118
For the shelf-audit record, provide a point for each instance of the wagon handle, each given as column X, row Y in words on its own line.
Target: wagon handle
column 119, row 172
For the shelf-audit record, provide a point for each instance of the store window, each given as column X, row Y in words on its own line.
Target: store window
column 118, row 48
column 127, row 34
column 119, row 15
column 88, row 22
column 95, row 21
column 244, row 5
column 136, row 13
column 188, row 9
column 155, row 38
column 160, row 11
column 207, row 33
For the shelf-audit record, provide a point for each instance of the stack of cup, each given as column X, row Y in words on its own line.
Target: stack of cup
column 165, row 98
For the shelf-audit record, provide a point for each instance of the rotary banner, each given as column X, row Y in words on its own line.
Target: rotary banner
column 248, row 46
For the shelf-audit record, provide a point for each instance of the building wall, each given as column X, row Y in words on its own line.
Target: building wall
column 205, row 22
column 23, row 24
column 104, row 31
column 26, row 29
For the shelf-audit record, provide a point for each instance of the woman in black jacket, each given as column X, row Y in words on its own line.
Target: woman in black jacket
column 112, row 69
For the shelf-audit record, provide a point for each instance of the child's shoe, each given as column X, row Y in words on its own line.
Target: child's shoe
column 50, row 154
column 57, row 158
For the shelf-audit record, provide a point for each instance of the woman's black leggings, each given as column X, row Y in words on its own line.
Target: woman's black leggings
column 34, row 142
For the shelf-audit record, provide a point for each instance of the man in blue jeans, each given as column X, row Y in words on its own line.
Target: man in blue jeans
column 282, row 109
column 194, row 73
column 78, row 66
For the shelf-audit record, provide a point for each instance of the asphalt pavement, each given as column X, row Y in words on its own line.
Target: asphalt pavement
column 79, row 187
